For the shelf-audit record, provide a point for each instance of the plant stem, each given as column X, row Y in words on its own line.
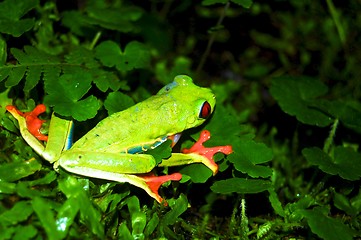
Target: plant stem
column 335, row 17
column 95, row 40
column 211, row 39
column 328, row 142
column 244, row 220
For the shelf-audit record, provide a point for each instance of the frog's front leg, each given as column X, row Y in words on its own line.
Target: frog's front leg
column 198, row 154
column 118, row 167
column 57, row 139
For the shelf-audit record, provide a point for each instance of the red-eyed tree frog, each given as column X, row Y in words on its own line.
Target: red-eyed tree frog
column 116, row 148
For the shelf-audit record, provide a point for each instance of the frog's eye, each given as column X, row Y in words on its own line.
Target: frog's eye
column 205, row 111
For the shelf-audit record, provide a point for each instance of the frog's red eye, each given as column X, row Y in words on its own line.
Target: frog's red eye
column 205, row 110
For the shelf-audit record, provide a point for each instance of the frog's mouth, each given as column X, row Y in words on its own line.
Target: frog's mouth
column 174, row 138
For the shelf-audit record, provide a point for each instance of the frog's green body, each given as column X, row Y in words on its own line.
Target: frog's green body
column 165, row 114
column 107, row 151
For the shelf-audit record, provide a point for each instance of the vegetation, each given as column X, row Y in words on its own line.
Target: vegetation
column 287, row 79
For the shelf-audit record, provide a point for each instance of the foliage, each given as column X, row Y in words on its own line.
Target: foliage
column 286, row 76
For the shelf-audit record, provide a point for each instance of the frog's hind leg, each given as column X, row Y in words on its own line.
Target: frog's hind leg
column 121, row 167
column 149, row 183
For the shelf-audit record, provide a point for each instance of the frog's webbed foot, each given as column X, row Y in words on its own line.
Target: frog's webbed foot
column 207, row 152
column 33, row 123
column 197, row 154
column 154, row 183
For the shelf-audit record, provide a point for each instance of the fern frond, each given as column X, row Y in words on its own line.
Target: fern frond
column 51, row 73
column 30, row 63
column 62, row 78
column 102, row 79
column 13, row 74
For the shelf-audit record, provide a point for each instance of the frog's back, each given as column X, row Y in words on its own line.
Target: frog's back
column 176, row 107
column 141, row 124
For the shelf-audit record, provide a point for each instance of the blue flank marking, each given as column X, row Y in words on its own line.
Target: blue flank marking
column 69, row 139
column 139, row 149
column 135, row 150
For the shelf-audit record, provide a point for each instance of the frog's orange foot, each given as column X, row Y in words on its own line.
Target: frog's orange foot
column 154, row 183
column 33, row 123
column 208, row 152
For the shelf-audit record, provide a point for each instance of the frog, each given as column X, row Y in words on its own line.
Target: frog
column 116, row 148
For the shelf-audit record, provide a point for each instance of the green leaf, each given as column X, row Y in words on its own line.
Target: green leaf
column 138, row 224
column 109, row 53
column 15, row 9
column 73, row 189
column 111, row 201
column 10, row 13
column 161, row 152
column 151, row 225
column 47, row 179
column 117, row 101
column 25, row 232
column 247, row 154
column 346, row 111
column 296, row 96
column 135, row 55
column 138, row 217
column 294, row 210
column 254, row 152
column 7, row 233
column 11, row 172
column 75, row 86
column 210, row 2
column 77, row 23
column 105, row 15
column 65, row 96
column 345, row 162
column 197, row 172
column 23, row 189
column 325, row 227
column 3, row 51
column 240, row 185
column 20, row 212
column 4, row 72
column 356, row 202
column 118, row 18
column 105, row 80
column 276, row 203
column 124, row 232
column 225, row 128
column 178, row 207
column 4, row 120
column 343, row 203
column 46, row 217
column 243, row 3
column 7, row 188
column 66, row 215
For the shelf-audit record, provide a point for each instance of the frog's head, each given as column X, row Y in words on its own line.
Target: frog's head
column 192, row 104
